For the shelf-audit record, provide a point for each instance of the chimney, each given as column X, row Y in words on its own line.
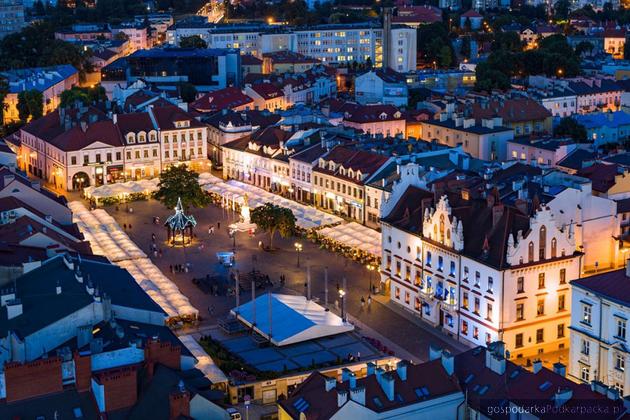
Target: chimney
column 434, row 352
column 84, row 335
column 330, row 383
column 345, row 374
column 387, row 383
column 8, row 179
column 560, row 369
column 537, row 365
column 358, row 395
column 495, row 359
column 179, row 402
column 14, row 308
column 521, row 205
column 497, row 213
column 612, row 394
column 599, row 387
column 6, row 295
column 342, row 397
column 448, row 362
column 352, row 380
column 371, row 367
column 563, row 395
column 401, row 369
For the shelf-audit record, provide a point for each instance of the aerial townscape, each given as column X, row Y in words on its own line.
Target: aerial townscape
column 314, row 209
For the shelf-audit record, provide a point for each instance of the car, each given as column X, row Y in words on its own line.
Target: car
column 234, row 413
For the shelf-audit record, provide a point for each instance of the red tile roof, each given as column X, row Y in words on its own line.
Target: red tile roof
column 218, row 100
column 418, row 14
column 601, row 175
column 267, row 90
column 362, row 114
column 250, row 60
column 76, row 138
column 511, row 110
column 134, row 122
column 166, row 117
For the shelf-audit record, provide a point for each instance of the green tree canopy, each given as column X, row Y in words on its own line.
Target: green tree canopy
column 180, row 182
column 568, row 126
column 188, row 92
column 86, row 96
column 193, row 41
column 272, row 218
column 30, row 105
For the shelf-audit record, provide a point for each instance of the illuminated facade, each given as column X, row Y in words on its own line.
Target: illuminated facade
column 480, row 270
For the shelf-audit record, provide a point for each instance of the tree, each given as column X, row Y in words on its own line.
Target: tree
column 188, row 92
column 568, row 126
column 464, row 49
column 180, row 182
column 561, row 9
column 193, row 41
column 272, row 218
column 583, row 47
column 445, row 56
column 30, row 105
column 86, row 96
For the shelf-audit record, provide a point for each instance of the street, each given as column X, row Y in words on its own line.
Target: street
column 414, row 339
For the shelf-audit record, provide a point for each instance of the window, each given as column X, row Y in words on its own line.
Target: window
column 466, row 274
column 476, row 333
column 452, row 270
column 489, row 312
column 530, row 252
column 561, row 303
column 86, row 159
column 118, row 156
column 477, row 304
column 540, row 335
column 397, row 293
column 518, row 340
column 418, row 253
column 541, row 280
column 554, row 248
column 586, row 347
column 464, row 328
column 620, row 362
column 465, row 301
column 563, row 276
column 586, row 314
column 490, row 284
column 540, row 307
column 428, row 258
column 585, row 374
column 109, row 157
column 477, row 278
column 407, row 297
column 388, row 264
column 520, row 311
column 560, row 330
column 621, row 328
column 440, row 266
column 520, row 285
column 398, row 267
column 129, row 155
column 73, row 160
column 418, row 279
column 408, row 273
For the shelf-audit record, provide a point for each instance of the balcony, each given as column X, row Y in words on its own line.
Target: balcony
column 427, row 293
column 449, row 305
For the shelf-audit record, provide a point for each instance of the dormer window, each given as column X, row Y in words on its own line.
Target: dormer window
column 131, row 138
column 397, row 114
column 383, row 116
column 142, row 138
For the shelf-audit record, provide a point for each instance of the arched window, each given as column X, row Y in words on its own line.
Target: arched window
column 441, row 228
column 554, row 248
column 531, row 252
column 542, row 243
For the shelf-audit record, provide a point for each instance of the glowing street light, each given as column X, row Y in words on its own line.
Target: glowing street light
column 298, row 249
column 371, row 268
column 342, row 295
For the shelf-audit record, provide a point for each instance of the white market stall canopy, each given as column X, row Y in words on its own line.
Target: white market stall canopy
column 208, row 178
column 294, row 319
column 122, row 189
column 233, row 192
column 355, row 235
column 204, row 361
column 108, row 239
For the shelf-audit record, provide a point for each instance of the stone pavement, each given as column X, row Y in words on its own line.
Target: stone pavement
column 411, row 338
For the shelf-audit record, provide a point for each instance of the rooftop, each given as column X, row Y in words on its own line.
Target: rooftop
column 294, row 319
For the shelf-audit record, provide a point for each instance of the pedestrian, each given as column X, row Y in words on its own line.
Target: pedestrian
column 116, row 208
column 129, row 226
column 362, row 302
column 369, row 300
column 171, row 267
column 124, row 226
column 218, row 225
column 155, row 253
column 153, row 237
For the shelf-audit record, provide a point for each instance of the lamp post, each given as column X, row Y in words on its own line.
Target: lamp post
column 342, row 294
column 298, row 249
column 371, row 269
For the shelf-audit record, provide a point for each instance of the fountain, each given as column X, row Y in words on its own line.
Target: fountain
column 245, row 224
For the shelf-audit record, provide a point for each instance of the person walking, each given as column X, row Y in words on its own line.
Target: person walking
column 369, row 300
column 362, row 302
column 218, row 225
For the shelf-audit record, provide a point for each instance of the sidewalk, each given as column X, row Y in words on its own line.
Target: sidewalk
column 439, row 335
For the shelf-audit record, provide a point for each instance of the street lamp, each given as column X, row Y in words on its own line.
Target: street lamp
column 342, row 294
column 298, row 249
column 371, row 268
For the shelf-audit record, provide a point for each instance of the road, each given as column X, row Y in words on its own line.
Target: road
column 412, row 337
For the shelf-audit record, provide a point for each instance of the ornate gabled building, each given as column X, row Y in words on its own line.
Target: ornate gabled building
column 480, row 269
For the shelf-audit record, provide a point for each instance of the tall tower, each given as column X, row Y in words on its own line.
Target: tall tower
column 387, row 36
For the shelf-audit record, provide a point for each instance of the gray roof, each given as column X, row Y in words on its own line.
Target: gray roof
column 68, row 404
column 42, row 306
